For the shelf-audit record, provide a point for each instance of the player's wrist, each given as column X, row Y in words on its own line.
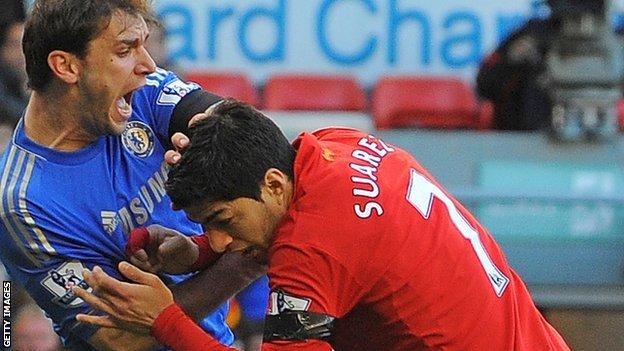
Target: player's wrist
column 174, row 329
column 164, row 326
column 206, row 256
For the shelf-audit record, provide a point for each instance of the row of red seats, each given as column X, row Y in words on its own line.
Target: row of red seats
column 397, row 101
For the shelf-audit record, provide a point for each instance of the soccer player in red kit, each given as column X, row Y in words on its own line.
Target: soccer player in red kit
column 366, row 251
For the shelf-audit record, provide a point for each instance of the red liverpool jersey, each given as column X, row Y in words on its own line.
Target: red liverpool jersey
column 373, row 240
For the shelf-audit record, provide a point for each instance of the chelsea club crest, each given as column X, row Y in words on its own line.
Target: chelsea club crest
column 138, row 139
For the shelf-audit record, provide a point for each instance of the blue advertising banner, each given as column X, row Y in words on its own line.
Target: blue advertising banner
column 366, row 38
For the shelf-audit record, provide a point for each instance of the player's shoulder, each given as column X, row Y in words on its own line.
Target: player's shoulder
column 165, row 87
column 159, row 77
column 31, row 185
column 337, row 157
column 19, row 171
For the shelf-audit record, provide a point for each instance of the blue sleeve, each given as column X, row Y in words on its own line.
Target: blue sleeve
column 49, row 283
column 155, row 102
column 47, row 272
column 253, row 300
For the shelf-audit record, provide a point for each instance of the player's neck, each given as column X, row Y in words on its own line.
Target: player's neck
column 51, row 122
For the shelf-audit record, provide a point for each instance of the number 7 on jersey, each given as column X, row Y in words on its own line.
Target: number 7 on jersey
column 420, row 194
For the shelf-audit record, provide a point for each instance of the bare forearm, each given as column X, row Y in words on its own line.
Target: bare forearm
column 107, row 339
column 210, row 288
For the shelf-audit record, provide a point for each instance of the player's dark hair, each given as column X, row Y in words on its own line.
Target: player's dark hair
column 229, row 154
column 68, row 25
column 11, row 12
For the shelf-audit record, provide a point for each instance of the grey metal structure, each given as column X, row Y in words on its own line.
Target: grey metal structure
column 584, row 70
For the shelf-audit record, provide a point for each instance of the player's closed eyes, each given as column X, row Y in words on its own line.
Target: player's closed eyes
column 218, row 223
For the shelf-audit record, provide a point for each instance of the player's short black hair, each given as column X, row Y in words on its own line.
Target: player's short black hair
column 69, row 25
column 229, row 154
column 11, row 12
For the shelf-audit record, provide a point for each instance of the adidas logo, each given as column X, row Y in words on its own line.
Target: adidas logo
column 109, row 221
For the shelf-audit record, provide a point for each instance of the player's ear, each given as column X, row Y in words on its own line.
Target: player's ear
column 275, row 183
column 65, row 66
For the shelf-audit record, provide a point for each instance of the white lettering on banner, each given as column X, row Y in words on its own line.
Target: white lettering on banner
column 367, row 37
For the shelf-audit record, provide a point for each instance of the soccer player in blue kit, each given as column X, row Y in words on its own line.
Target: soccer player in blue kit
column 86, row 165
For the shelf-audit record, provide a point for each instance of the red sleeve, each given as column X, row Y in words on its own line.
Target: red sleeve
column 310, row 279
column 310, row 345
column 174, row 329
column 315, row 259
column 312, row 274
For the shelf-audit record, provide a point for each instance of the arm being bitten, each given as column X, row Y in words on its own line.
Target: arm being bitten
column 107, row 339
column 213, row 286
column 220, row 275
column 148, row 308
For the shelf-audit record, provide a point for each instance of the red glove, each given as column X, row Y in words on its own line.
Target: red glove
column 139, row 239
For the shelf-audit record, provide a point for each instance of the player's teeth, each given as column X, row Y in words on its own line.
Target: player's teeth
column 121, row 103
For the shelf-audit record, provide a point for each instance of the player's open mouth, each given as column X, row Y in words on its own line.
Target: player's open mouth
column 124, row 106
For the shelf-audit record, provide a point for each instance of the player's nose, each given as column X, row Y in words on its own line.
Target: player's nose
column 145, row 64
column 219, row 240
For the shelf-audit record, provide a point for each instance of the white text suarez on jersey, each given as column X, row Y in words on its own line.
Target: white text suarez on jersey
column 365, row 186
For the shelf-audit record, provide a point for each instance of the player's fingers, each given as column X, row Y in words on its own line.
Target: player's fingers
column 112, row 292
column 87, row 275
column 136, row 275
column 180, row 141
column 107, row 284
column 158, row 233
column 156, row 268
column 102, row 321
column 92, row 300
column 172, row 157
column 197, row 117
column 143, row 265
column 140, row 255
column 169, row 249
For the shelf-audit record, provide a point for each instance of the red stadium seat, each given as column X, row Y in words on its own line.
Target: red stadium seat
column 404, row 102
column 292, row 92
column 226, row 84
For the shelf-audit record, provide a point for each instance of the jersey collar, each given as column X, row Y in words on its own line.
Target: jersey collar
column 62, row 157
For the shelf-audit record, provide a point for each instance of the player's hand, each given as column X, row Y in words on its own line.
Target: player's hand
column 128, row 306
column 158, row 249
column 180, row 142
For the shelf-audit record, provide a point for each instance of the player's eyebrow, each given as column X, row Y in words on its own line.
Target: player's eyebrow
column 133, row 42
column 212, row 216
column 130, row 42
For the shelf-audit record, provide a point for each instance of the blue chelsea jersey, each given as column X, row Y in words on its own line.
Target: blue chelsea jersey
column 64, row 211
